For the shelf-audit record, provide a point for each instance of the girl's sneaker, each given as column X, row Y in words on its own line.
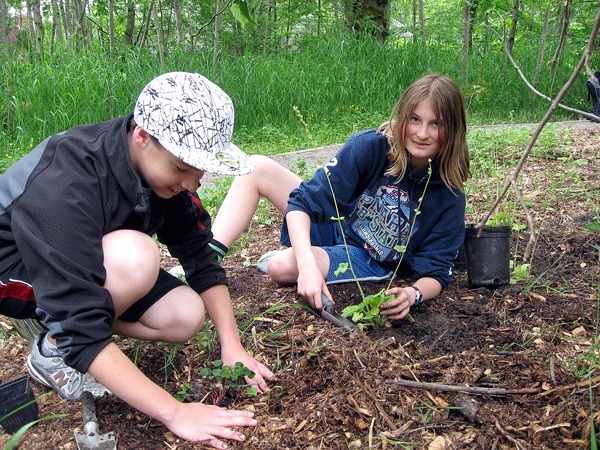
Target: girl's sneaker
column 263, row 261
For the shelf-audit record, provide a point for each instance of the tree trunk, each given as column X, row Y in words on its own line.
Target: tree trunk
column 37, row 30
column 372, row 16
column 513, row 26
column 422, row 24
column 130, row 25
column 541, row 48
column 3, row 27
column 466, row 33
column 57, row 31
column 144, row 31
column 81, row 30
column 267, row 18
column 67, row 20
column 160, row 36
column 111, row 29
column 562, row 39
column 178, row 22
column 319, row 17
column 218, row 31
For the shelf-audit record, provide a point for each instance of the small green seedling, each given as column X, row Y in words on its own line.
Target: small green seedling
column 366, row 313
column 229, row 377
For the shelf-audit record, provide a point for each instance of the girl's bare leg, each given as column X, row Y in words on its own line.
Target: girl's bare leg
column 269, row 180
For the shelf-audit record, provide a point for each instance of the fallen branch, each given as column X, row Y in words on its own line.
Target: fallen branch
column 579, row 385
column 463, row 388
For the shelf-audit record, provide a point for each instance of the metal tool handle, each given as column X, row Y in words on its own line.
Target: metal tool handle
column 327, row 304
column 88, row 407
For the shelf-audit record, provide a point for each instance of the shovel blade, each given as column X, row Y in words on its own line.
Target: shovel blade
column 95, row 441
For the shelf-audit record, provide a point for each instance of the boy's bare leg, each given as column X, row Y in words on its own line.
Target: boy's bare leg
column 269, row 180
column 132, row 262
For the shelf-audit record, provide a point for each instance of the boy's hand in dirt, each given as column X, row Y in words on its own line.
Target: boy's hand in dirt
column 311, row 285
column 261, row 372
column 197, row 422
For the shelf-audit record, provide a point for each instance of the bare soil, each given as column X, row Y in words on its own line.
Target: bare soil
column 507, row 362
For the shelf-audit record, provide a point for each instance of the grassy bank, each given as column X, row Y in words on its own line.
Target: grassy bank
column 315, row 96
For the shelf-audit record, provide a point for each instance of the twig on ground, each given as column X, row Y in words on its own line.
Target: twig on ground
column 463, row 388
column 509, row 437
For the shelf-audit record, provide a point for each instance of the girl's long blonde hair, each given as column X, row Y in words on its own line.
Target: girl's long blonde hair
column 448, row 106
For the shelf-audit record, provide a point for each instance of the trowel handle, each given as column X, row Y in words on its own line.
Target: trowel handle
column 88, row 407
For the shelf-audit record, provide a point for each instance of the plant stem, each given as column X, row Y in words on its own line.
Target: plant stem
column 412, row 226
column 338, row 218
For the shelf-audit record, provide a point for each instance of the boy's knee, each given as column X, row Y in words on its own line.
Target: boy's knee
column 130, row 248
column 132, row 261
column 186, row 324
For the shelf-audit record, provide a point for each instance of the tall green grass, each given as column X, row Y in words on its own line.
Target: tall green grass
column 340, row 84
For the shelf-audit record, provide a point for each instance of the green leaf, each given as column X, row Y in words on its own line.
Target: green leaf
column 241, row 12
column 342, row 268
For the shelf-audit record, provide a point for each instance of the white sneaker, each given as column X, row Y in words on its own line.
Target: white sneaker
column 51, row 371
column 263, row 261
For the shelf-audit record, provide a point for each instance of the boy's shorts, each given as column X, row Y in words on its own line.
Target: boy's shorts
column 329, row 237
column 17, row 299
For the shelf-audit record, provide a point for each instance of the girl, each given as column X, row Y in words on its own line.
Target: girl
column 376, row 180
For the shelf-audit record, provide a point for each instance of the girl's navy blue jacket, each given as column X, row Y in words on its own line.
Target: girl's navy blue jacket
column 379, row 210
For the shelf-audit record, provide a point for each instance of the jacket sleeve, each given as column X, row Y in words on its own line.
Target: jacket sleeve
column 186, row 232
column 58, row 228
column 436, row 254
column 350, row 171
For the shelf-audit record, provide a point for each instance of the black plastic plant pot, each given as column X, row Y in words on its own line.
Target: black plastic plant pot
column 488, row 256
column 17, row 404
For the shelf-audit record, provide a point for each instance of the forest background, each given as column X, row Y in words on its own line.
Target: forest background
column 300, row 73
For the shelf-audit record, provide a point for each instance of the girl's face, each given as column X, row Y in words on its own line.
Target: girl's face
column 423, row 135
column 164, row 173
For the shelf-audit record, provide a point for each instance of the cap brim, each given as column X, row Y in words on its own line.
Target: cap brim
column 228, row 160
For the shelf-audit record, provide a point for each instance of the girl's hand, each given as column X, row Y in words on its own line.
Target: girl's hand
column 399, row 306
column 311, row 286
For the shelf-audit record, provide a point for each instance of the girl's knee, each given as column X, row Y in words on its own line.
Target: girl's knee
column 282, row 269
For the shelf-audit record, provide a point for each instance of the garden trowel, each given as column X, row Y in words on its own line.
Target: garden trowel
column 92, row 439
column 328, row 313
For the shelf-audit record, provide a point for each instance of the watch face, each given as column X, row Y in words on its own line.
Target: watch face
column 418, row 296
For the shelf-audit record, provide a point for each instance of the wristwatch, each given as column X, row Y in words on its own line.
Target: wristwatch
column 418, row 296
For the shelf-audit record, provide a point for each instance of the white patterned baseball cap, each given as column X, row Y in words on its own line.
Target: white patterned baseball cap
column 193, row 119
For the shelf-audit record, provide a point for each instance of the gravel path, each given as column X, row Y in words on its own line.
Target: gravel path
column 315, row 157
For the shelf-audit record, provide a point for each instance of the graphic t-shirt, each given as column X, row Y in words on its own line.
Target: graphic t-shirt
column 382, row 219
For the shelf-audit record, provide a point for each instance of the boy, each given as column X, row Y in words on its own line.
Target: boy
column 76, row 219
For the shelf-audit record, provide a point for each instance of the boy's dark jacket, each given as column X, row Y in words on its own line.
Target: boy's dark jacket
column 58, row 202
column 379, row 210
